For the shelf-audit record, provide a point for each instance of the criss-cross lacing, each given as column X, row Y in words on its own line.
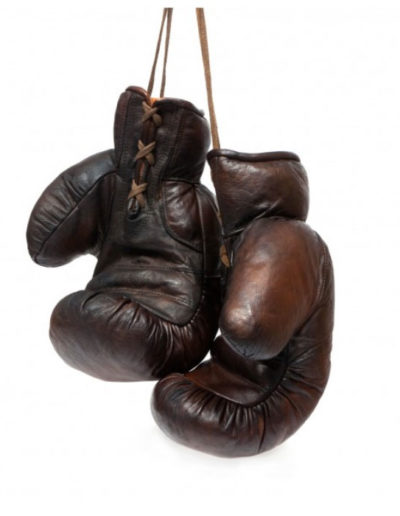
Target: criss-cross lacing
column 151, row 112
column 143, row 157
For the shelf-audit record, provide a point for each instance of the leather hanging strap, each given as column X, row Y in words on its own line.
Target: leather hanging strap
column 201, row 22
column 167, row 16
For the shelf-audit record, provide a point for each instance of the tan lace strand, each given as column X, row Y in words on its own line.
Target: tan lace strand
column 201, row 23
column 166, row 16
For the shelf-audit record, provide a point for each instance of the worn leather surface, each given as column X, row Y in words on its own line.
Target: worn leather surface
column 269, row 367
column 153, row 302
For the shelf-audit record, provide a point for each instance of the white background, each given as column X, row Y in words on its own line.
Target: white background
column 317, row 78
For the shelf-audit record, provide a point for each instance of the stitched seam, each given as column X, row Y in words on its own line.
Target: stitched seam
column 191, row 322
column 149, row 267
column 168, row 161
column 203, row 237
column 168, row 228
column 181, row 180
column 120, row 137
column 178, row 135
column 266, row 415
column 181, row 106
column 128, row 124
column 322, row 282
column 210, row 198
column 122, row 134
column 108, row 225
column 269, row 392
column 261, row 215
column 245, row 380
column 142, row 291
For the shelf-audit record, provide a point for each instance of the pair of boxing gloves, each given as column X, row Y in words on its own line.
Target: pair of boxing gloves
column 162, row 287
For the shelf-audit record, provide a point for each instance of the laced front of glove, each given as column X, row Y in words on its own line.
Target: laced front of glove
column 144, row 158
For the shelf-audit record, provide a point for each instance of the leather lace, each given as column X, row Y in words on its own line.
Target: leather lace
column 144, row 156
column 166, row 16
column 201, row 23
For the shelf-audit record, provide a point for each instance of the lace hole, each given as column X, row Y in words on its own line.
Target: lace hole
column 133, row 209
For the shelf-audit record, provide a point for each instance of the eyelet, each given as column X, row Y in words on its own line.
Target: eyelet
column 133, row 209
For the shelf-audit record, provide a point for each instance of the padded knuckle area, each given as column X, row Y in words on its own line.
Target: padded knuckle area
column 187, row 414
column 245, row 333
column 113, row 337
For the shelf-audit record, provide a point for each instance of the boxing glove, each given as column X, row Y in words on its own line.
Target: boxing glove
column 152, row 305
column 271, row 363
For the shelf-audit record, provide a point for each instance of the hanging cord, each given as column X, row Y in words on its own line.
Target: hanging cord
column 201, row 22
column 167, row 15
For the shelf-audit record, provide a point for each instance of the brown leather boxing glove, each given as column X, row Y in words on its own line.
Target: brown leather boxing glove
column 152, row 305
column 271, row 364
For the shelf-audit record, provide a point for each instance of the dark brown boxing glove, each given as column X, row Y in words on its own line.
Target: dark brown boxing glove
column 152, row 305
column 271, row 364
